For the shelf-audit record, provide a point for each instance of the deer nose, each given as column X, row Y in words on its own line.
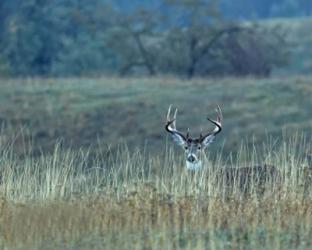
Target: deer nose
column 191, row 158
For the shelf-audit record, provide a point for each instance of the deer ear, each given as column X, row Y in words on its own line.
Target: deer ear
column 208, row 140
column 178, row 139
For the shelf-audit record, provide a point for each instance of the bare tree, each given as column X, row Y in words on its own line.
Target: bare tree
column 195, row 37
column 132, row 39
column 192, row 39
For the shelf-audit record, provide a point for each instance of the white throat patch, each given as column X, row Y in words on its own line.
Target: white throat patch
column 193, row 166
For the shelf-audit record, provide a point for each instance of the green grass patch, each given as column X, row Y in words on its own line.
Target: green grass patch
column 85, row 112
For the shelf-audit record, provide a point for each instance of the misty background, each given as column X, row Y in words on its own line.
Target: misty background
column 185, row 38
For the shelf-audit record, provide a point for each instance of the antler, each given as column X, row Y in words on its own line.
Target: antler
column 171, row 127
column 208, row 138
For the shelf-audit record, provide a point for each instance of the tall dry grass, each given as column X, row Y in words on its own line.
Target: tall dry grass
column 130, row 200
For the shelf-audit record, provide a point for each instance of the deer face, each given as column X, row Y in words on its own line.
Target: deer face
column 193, row 147
column 193, row 153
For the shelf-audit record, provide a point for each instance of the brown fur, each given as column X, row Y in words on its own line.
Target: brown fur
column 246, row 178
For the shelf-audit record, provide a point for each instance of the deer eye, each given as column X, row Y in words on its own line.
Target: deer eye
column 186, row 147
column 199, row 147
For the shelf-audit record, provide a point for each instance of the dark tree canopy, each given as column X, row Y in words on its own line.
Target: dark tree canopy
column 187, row 37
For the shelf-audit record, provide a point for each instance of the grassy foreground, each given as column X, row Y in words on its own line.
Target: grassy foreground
column 135, row 201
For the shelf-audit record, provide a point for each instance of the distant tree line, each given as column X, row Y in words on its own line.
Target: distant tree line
column 257, row 9
column 180, row 37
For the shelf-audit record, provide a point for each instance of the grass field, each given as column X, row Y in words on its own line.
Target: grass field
column 91, row 112
column 85, row 164
column 132, row 201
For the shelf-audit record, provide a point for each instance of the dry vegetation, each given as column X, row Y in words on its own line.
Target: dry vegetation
column 135, row 201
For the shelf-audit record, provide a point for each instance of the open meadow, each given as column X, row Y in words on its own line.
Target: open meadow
column 86, row 113
column 156, row 125
column 86, row 164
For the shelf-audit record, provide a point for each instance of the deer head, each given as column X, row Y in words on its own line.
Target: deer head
column 193, row 147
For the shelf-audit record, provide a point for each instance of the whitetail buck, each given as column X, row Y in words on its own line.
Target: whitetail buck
column 193, row 147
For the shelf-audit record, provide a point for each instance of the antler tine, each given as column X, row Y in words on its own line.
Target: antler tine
column 170, row 121
column 175, row 118
column 168, row 113
column 219, row 114
column 217, row 123
column 201, row 133
column 188, row 133
column 171, row 124
column 219, row 117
